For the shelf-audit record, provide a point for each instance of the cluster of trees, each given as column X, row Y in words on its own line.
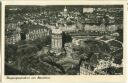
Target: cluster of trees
column 18, row 53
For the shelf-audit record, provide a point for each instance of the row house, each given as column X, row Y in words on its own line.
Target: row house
column 37, row 33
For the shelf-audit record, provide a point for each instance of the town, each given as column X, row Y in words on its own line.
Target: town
column 64, row 40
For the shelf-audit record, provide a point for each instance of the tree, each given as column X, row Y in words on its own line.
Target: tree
column 10, row 53
column 24, row 30
column 66, row 38
column 25, row 51
column 120, row 38
column 51, row 60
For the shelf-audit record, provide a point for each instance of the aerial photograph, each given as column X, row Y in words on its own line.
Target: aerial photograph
column 63, row 40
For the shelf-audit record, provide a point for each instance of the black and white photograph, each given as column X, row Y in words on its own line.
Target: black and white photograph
column 63, row 40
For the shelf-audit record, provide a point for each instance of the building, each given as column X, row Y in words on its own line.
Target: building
column 102, row 65
column 13, row 38
column 37, row 33
column 84, row 71
column 12, row 34
column 88, row 69
column 56, row 39
column 65, row 12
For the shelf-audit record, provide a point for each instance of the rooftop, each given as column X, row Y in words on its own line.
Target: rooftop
column 56, row 31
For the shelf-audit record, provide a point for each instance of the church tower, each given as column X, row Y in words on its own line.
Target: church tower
column 65, row 12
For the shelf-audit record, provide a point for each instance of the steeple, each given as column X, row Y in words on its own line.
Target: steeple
column 65, row 12
column 65, row 9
